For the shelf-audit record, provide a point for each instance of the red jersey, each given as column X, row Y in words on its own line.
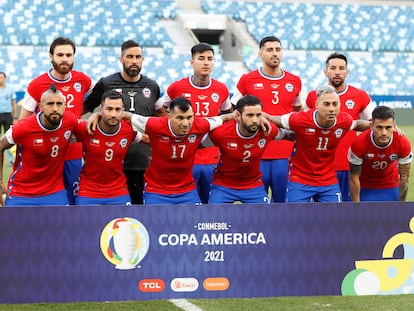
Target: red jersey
column 278, row 96
column 73, row 88
column 172, row 157
column 312, row 160
column 379, row 165
column 102, row 174
column 207, row 101
column 38, row 168
column 239, row 166
column 358, row 104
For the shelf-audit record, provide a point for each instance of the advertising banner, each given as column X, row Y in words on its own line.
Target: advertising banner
column 113, row 253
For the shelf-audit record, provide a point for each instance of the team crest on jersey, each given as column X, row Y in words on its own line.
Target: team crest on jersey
column 350, row 104
column 192, row 138
column 338, row 133
column 289, row 87
column 261, row 143
column 123, row 143
column 393, row 157
column 77, row 86
column 146, row 92
column 215, row 97
column 67, row 134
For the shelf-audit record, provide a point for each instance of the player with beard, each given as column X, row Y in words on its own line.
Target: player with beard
column 380, row 161
column 241, row 143
column 141, row 96
column 102, row 180
column 74, row 85
column 42, row 141
column 279, row 92
column 312, row 172
column 354, row 101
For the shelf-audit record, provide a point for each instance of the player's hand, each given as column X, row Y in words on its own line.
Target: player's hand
column 265, row 125
column 2, row 194
column 92, row 122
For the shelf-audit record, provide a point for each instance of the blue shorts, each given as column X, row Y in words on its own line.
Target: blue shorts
column 389, row 194
column 71, row 172
column 343, row 181
column 203, row 175
column 54, row 199
column 121, row 200
column 190, row 197
column 303, row 193
column 220, row 194
column 274, row 176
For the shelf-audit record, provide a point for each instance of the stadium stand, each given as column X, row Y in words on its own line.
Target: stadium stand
column 379, row 39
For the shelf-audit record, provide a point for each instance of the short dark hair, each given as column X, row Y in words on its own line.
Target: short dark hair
column 383, row 113
column 336, row 55
column 247, row 100
column 61, row 41
column 182, row 103
column 129, row 44
column 111, row 94
column 269, row 39
column 200, row 48
column 3, row 73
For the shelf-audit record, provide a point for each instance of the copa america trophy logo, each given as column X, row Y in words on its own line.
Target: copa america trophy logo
column 124, row 242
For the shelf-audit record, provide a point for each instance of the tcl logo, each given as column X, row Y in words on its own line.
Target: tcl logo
column 151, row 285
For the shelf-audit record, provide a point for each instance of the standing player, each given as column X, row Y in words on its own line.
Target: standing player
column 42, row 141
column 102, row 180
column 312, row 175
column 74, row 85
column 279, row 91
column 354, row 101
column 209, row 98
column 241, row 143
column 141, row 95
column 380, row 161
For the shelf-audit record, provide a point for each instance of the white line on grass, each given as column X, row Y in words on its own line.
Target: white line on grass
column 185, row 305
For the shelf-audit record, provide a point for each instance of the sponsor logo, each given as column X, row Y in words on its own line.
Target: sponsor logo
column 216, row 284
column 184, row 284
column 151, row 285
